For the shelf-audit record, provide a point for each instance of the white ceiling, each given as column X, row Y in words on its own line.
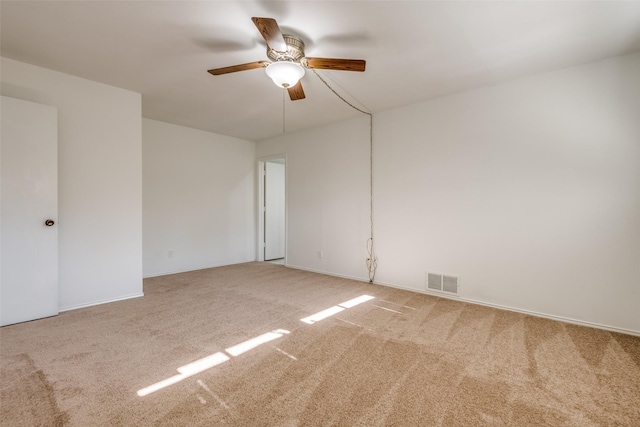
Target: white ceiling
column 415, row 51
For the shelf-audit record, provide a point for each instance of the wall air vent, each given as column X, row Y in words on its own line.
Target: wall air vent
column 441, row 282
column 450, row 284
column 434, row 281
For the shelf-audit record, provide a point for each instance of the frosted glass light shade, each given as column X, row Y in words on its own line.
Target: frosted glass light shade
column 285, row 74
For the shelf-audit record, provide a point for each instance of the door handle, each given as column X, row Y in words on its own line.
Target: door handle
column 49, row 222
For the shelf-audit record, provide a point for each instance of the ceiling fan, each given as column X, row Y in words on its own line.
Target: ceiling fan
column 288, row 61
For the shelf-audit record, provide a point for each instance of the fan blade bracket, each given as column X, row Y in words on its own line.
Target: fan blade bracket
column 335, row 64
column 271, row 33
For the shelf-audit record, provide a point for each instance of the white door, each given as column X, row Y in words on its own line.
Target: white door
column 274, row 211
column 28, row 202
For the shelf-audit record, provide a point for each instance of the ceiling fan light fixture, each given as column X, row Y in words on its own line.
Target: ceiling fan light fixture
column 285, row 74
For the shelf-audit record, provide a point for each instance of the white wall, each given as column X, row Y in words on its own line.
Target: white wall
column 99, row 179
column 198, row 202
column 327, row 196
column 529, row 191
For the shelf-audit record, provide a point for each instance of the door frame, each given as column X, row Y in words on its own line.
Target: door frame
column 260, row 204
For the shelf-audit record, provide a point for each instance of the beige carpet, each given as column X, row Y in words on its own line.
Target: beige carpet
column 399, row 359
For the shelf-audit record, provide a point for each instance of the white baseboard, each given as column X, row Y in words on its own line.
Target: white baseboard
column 75, row 307
column 187, row 270
column 484, row 303
column 516, row 310
column 326, row 273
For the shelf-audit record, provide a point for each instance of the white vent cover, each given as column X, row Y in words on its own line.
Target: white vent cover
column 441, row 282
column 434, row 281
column 450, row 284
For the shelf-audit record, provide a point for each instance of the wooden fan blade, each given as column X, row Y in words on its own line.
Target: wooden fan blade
column 296, row 92
column 269, row 29
column 336, row 64
column 241, row 67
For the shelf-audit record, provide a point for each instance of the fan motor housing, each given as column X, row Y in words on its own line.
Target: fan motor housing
column 295, row 50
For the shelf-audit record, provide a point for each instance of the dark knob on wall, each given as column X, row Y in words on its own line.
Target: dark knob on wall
column 49, row 222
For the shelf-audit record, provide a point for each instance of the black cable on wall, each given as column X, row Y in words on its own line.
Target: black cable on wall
column 372, row 259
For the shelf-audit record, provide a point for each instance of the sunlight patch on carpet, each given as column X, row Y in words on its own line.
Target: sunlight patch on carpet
column 243, row 347
column 356, row 301
column 321, row 315
column 216, row 359
column 203, row 364
column 161, row 384
column 212, row 360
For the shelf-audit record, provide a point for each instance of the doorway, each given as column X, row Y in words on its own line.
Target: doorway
column 272, row 229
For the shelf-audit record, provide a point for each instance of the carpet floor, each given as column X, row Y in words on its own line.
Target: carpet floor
column 259, row 344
